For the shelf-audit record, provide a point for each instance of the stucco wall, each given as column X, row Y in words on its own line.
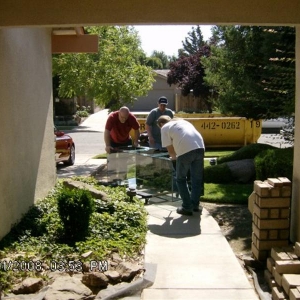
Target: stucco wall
column 26, row 121
column 295, row 206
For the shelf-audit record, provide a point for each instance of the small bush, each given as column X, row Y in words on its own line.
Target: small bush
column 83, row 111
column 75, row 208
column 246, row 152
column 274, row 163
column 218, row 174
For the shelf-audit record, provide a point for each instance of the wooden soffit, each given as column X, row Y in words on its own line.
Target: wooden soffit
column 73, row 40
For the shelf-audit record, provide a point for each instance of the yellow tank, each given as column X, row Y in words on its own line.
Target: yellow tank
column 221, row 131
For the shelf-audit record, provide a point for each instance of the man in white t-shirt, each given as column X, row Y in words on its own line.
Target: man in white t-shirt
column 185, row 145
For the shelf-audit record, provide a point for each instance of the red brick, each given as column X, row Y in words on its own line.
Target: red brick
column 290, row 281
column 270, row 264
column 277, row 277
column 279, row 253
column 276, row 202
column 286, row 191
column 262, row 213
column 251, row 201
column 261, row 234
column 274, row 213
column 278, row 294
column 273, row 224
column 262, row 189
column 254, row 239
column 288, row 266
column 285, row 181
column 255, row 219
column 260, row 255
column 294, row 294
column 273, row 234
column 292, row 255
column 284, row 213
column 284, row 234
column 269, row 244
column 275, row 192
column 275, row 182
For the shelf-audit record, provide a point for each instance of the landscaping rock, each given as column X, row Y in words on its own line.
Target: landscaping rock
column 81, row 185
column 116, row 257
column 128, row 270
column 95, row 279
column 113, row 276
column 66, row 287
column 28, row 286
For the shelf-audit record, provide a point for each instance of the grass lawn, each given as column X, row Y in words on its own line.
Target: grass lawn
column 227, row 193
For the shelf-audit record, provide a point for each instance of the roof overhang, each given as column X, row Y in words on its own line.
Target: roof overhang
column 73, row 40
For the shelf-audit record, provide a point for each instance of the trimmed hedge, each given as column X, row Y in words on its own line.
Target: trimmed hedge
column 274, row 163
column 75, row 208
column 218, row 174
column 269, row 162
column 246, row 152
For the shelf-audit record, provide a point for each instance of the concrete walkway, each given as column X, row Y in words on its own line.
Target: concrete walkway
column 192, row 257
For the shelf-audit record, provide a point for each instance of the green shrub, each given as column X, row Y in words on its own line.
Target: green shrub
column 116, row 225
column 82, row 111
column 246, row 152
column 274, row 163
column 75, row 208
column 218, row 174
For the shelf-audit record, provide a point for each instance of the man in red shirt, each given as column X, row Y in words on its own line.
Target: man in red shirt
column 117, row 128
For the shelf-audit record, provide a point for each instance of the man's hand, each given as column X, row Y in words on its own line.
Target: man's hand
column 135, row 144
column 108, row 149
column 172, row 152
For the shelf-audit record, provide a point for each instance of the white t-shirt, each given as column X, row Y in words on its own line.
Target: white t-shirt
column 182, row 135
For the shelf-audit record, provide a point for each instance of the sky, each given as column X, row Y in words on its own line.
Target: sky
column 167, row 38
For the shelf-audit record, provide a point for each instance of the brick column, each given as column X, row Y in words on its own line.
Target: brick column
column 269, row 205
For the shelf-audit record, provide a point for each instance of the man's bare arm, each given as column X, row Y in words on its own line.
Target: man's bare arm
column 171, row 151
column 107, row 141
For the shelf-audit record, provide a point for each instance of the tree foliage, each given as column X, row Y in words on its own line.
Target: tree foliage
column 114, row 76
column 193, row 43
column 163, row 57
column 187, row 72
column 252, row 68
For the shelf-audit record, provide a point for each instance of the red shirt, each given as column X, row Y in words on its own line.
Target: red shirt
column 119, row 132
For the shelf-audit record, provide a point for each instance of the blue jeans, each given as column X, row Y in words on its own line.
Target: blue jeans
column 192, row 161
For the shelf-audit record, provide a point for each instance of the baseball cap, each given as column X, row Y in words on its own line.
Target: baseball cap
column 163, row 100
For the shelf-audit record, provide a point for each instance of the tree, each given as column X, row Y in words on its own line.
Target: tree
column 252, row 70
column 193, row 43
column 159, row 60
column 112, row 77
column 188, row 73
column 154, row 62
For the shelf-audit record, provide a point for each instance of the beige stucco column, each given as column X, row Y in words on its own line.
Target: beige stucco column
column 295, row 207
column 26, row 123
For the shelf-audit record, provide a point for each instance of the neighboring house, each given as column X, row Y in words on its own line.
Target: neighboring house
column 160, row 88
